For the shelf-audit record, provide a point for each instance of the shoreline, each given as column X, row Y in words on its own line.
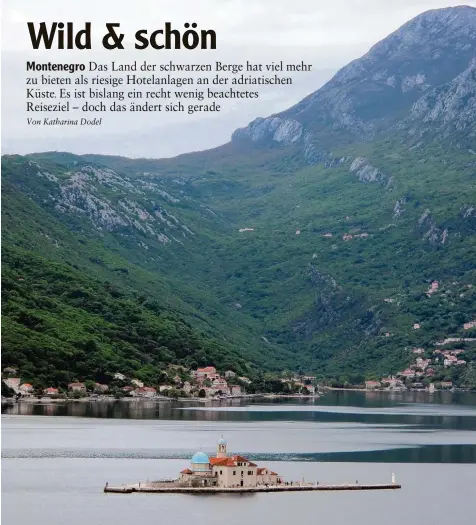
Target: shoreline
column 395, row 390
column 112, row 399
column 8, row 401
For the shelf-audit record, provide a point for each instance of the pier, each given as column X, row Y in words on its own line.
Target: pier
column 164, row 488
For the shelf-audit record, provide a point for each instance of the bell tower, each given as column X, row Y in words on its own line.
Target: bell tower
column 221, row 448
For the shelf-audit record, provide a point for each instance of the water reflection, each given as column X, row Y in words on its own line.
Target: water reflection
column 442, row 410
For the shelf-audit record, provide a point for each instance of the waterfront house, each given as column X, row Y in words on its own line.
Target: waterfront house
column 391, row 382
column 119, row 376
column 50, row 391
column 446, row 384
column 77, row 387
column 235, row 390
column 150, row 391
column 13, row 383
column 137, row 383
column 220, row 385
column 370, row 385
column 100, row 389
column 209, row 391
column 26, row 389
column 145, row 391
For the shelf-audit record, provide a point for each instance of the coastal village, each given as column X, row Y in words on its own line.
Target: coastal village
column 202, row 383
column 432, row 368
column 420, row 375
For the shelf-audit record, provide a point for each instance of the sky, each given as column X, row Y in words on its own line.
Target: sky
column 324, row 33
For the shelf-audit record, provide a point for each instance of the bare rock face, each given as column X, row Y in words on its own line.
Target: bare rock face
column 274, row 128
column 112, row 203
column 468, row 211
column 365, row 171
column 399, row 208
column 431, row 233
column 450, row 108
column 414, row 82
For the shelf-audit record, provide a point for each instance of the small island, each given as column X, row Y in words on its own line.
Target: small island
column 232, row 473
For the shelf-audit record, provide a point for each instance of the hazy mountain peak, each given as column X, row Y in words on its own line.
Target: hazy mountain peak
column 375, row 92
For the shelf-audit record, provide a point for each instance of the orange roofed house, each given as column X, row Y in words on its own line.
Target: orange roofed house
column 209, row 372
column 225, row 471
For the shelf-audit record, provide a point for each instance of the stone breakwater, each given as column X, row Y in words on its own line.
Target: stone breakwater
column 159, row 488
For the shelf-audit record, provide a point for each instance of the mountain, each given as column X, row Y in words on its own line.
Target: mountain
column 310, row 241
column 424, row 59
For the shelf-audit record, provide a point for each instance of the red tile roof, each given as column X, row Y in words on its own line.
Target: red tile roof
column 186, row 471
column 207, row 369
column 231, row 461
column 241, row 459
column 222, row 462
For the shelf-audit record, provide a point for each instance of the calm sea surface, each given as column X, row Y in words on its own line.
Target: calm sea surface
column 54, row 467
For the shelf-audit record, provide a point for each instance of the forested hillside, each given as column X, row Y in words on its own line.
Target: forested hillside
column 309, row 242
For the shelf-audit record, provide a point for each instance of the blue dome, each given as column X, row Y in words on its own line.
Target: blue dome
column 200, row 458
column 222, row 441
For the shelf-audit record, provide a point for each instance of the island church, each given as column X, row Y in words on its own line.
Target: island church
column 226, row 471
